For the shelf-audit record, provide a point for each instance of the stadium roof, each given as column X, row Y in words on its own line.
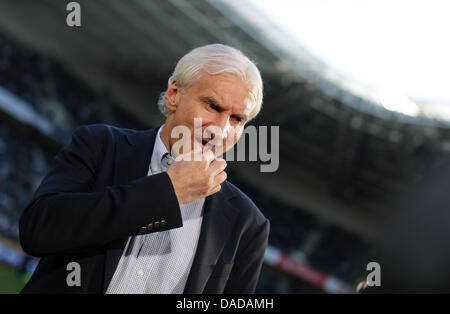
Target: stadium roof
column 142, row 39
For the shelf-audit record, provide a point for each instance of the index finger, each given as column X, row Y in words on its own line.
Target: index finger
column 217, row 165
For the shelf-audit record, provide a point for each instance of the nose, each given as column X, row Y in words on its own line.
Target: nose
column 222, row 124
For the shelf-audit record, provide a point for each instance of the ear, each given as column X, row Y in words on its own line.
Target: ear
column 173, row 96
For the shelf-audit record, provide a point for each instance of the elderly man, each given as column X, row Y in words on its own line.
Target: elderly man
column 125, row 211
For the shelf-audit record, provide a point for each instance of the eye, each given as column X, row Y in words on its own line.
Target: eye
column 238, row 119
column 214, row 107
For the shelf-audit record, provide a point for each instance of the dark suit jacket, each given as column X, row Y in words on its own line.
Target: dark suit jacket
column 98, row 194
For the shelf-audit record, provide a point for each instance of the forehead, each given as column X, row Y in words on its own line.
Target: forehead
column 227, row 89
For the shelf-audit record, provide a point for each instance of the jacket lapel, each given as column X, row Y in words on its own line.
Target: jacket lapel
column 133, row 155
column 218, row 220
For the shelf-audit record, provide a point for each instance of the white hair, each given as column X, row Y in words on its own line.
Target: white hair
column 217, row 59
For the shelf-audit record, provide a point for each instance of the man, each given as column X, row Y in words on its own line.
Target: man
column 140, row 213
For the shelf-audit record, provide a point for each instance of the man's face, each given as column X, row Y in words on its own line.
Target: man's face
column 218, row 104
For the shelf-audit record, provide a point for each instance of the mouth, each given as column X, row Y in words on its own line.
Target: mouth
column 203, row 141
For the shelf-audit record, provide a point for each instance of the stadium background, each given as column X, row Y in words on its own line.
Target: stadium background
column 343, row 157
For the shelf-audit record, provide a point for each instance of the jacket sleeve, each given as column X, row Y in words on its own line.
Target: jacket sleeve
column 66, row 216
column 247, row 266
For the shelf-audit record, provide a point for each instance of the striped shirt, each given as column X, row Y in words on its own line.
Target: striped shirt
column 160, row 262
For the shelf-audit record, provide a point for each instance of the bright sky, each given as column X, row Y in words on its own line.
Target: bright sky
column 391, row 45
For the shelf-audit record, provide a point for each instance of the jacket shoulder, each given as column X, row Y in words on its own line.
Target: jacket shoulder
column 101, row 129
column 103, row 135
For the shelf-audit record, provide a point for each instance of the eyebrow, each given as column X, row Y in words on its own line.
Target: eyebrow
column 212, row 100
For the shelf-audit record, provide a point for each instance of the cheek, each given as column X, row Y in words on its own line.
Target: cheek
column 234, row 134
column 187, row 115
column 238, row 131
column 197, row 111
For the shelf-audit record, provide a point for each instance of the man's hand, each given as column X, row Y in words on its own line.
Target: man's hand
column 196, row 179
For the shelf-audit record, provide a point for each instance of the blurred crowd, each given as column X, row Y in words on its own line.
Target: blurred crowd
column 67, row 102
column 54, row 92
column 326, row 247
column 22, row 165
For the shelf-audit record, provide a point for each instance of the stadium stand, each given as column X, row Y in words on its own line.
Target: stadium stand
column 67, row 102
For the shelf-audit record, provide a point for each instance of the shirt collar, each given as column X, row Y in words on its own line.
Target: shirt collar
column 159, row 148
column 159, row 151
